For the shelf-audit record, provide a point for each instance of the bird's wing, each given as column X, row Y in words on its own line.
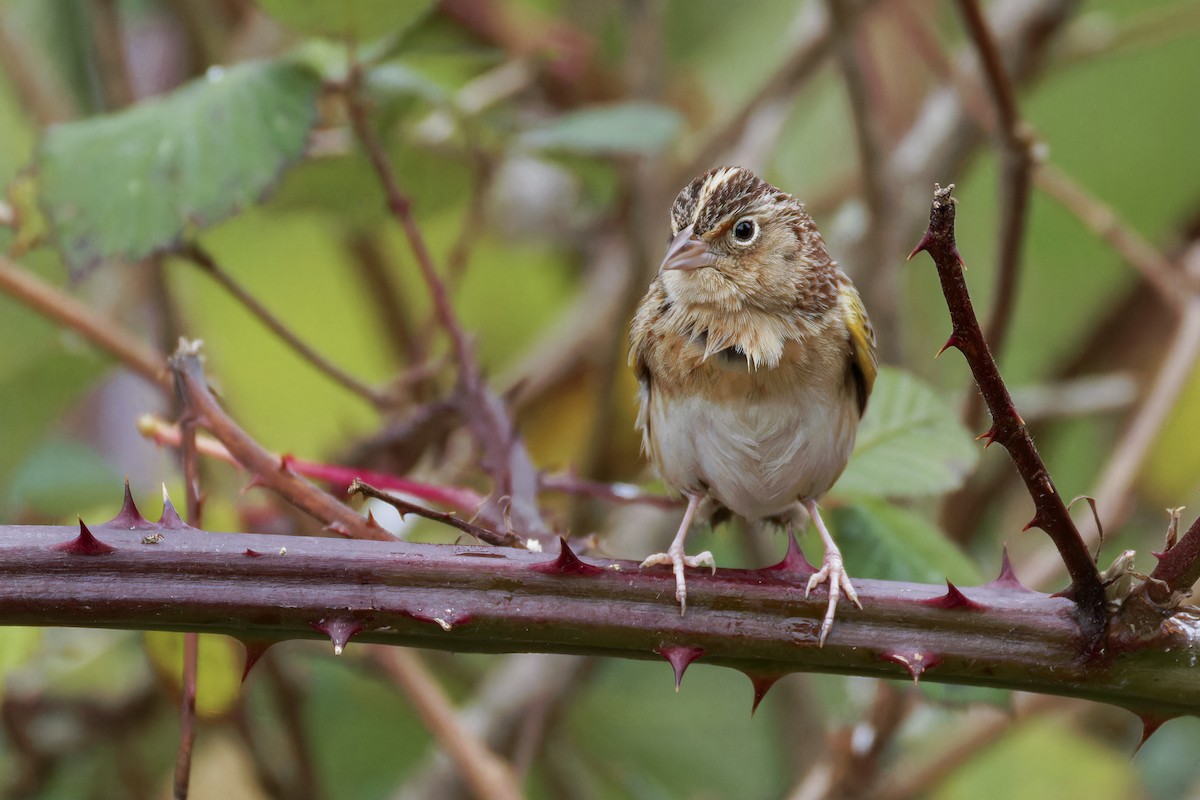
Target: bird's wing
column 864, row 364
column 639, row 343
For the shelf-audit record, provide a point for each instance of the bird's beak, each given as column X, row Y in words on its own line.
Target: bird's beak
column 686, row 252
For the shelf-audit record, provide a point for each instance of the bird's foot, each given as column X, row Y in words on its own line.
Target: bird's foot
column 833, row 572
column 675, row 558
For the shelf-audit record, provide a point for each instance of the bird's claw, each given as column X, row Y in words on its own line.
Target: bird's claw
column 678, row 561
column 833, row 572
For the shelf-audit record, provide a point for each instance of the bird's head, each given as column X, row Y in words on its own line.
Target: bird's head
column 737, row 242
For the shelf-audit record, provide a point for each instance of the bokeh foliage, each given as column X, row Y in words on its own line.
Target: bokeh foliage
column 220, row 160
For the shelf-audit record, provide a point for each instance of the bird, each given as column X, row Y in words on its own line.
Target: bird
column 755, row 358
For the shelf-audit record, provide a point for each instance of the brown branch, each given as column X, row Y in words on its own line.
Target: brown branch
column 64, row 310
column 200, row 257
column 1008, row 428
column 486, row 599
column 507, row 539
column 487, row 775
column 1016, row 168
column 269, row 471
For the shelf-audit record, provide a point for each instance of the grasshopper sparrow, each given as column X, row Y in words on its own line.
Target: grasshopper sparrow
column 755, row 358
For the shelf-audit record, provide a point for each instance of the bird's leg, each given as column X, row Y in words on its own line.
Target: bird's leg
column 832, row 570
column 677, row 560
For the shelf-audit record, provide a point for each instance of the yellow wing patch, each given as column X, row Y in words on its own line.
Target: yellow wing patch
column 864, row 364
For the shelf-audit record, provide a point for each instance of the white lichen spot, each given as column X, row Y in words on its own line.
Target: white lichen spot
column 533, row 545
column 283, row 551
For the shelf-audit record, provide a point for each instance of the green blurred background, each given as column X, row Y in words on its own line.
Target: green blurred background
column 545, row 139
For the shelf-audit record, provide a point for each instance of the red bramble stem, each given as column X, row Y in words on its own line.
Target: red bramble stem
column 1008, row 429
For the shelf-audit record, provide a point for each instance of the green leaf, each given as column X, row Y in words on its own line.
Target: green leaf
column 621, row 129
column 910, row 443
column 131, row 184
column 886, row 542
column 355, row 19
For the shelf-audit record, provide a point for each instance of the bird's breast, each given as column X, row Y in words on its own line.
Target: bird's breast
column 755, row 451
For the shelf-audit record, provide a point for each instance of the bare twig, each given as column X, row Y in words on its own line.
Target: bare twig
column 267, row 468
column 1008, row 428
column 506, row 539
column 197, row 255
column 487, row 775
column 68, row 312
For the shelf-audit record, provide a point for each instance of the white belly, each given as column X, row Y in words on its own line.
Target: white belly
column 757, row 458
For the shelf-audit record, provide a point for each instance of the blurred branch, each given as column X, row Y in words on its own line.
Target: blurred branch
column 1051, row 514
column 201, row 258
column 1016, row 167
column 504, row 455
column 487, row 775
column 1166, row 279
column 811, row 47
column 524, row 687
column 384, row 294
column 105, row 334
column 483, row 599
column 38, row 85
column 191, row 641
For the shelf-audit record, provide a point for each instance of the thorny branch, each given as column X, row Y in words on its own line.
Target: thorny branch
column 1051, row 514
column 486, row 599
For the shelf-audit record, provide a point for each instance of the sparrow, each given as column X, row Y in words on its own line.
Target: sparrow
column 755, row 359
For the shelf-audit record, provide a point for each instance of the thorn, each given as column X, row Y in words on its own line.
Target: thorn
column 1007, row 579
column 958, row 257
column 990, row 434
column 1036, row 522
column 255, row 648
column 129, row 517
column 170, row 518
column 285, row 463
column 372, row 522
column 953, row 599
column 567, row 563
column 1150, row 726
column 762, row 683
column 85, row 544
column 794, row 564
column 339, row 631
column 252, row 553
column 922, row 245
column 446, row 618
column 951, row 342
column 915, row 662
column 680, row 657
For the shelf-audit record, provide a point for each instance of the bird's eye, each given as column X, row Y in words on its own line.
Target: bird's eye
column 745, row 230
